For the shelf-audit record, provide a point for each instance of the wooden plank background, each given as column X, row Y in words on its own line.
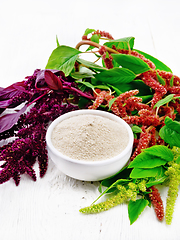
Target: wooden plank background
column 49, row 208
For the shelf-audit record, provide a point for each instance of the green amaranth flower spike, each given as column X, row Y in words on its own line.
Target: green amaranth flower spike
column 142, row 185
column 122, row 195
column 176, row 152
column 119, row 198
column 173, row 174
column 132, row 191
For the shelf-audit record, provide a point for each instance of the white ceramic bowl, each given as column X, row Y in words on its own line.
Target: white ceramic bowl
column 87, row 170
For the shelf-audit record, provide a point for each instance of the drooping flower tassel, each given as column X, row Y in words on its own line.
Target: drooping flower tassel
column 157, row 202
column 173, row 173
column 117, row 199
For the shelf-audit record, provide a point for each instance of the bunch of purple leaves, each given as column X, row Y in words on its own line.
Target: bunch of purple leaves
column 36, row 101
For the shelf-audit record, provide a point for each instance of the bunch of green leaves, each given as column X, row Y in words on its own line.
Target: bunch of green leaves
column 149, row 166
column 121, row 78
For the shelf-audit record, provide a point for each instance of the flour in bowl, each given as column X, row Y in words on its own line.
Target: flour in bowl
column 90, row 137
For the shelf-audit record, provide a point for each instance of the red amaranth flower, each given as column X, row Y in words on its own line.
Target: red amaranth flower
column 153, row 140
column 135, row 54
column 157, row 202
column 99, row 100
column 102, row 50
column 176, row 105
column 156, row 97
column 103, row 34
column 144, row 141
column 168, row 77
column 141, row 120
column 167, row 111
column 119, row 106
column 128, row 94
column 150, row 79
column 135, row 103
column 108, row 61
column 174, row 89
column 114, row 107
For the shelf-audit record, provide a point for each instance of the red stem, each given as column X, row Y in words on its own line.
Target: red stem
column 78, row 91
column 97, row 45
column 38, row 97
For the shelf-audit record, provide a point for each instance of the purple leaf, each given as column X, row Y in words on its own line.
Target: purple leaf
column 40, row 81
column 7, row 121
column 8, row 93
column 52, row 80
column 5, row 103
column 12, row 91
column 40, row 78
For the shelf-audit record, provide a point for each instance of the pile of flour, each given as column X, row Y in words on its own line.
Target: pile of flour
column 90, row 137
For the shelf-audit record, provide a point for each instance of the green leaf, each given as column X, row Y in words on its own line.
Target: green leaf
column 178, row 160
column 155, row 181
column 111, row 188
column 57, row 41
column 123, row 43
column 89, row 85
column 177, row 97
column 63, row 58
column 135, row 208
column 95, row 38
column 81, row 75
column 148, row 172
column 111, row 102
column 164, row 101
column 160, row 79
column 136, row 84
column 116, row 75
column 172, row 81
column 118, row 182
column 122, row 174
column 146, row 98
column 118, row 92
column 136, row 129
column 160, row 151
column 91, row 65
column 159, row 65
column 88, row 31
column 121, row 88
column 82, row 103
column 102, row 87
column 144, row 160
column 134, row 64
column 170, row 133
column 174, row 125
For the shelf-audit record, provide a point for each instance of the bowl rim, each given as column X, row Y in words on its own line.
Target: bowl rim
column 92, row 112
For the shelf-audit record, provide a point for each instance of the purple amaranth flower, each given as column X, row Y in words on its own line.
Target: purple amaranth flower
column 49, row 92
column 18, row 160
